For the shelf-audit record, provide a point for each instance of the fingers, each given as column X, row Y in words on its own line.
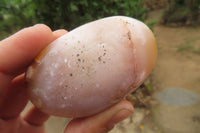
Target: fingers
column 103, row 122
column 18, row 125
column 18, row 51
column 15, row 99
column 59, row 33
column 35, row 117
column 4, row 81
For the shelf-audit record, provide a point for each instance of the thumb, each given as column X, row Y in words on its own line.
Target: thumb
column 102, row 122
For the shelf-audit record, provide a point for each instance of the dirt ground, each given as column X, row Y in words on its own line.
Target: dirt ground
column 178, row 66
column 178, row 58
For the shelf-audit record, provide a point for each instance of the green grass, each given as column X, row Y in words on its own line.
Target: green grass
column 189, row 46
column 184, row 47
column 151, row 24
column 149, row 87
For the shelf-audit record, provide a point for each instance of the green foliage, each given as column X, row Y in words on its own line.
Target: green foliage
column 15, row 14
column 148, row 86
column 69, row 14
column 182, row 12
column 151, row 24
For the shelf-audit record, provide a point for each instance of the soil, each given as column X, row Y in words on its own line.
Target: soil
column 178, row 61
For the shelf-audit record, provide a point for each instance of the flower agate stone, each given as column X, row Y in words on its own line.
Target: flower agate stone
column 92, row 67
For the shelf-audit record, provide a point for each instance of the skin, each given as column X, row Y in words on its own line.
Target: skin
column 16, row 54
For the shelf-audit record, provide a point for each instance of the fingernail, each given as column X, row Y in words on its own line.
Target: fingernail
column 119, row 116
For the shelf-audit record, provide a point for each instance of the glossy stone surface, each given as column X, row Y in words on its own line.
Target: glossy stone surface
column 92, row 67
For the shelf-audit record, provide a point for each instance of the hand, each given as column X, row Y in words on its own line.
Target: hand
column 16, row 54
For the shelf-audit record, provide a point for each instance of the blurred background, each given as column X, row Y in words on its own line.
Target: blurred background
column 168, row 101
column 17, row 14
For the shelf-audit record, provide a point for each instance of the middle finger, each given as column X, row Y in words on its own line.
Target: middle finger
column 15, row 99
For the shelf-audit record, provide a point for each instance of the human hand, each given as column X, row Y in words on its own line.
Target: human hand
column 16, row 54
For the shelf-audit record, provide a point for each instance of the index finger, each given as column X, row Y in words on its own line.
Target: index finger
column 15, row 98
column 18, row 51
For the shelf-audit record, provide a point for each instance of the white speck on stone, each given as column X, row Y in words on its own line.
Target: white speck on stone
column 45, row 96
column 101, row 44
column 56, row 65
column 65, row 60
column 123, row 84
column 63, row 105
column 48, row 88
column 51, row 74
column 65, row 98
column 76, row 88
column 134, row 51
column 97, row 85
column 39, row 103
column 69, row 64
column 53, row 53
column 36, row 91
column 60, row 83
